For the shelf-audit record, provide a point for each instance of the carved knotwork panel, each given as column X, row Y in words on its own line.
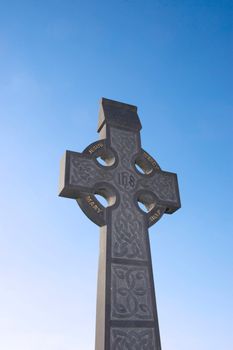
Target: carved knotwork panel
column 84, row 172
column 125, row 144
column 131, row 293
column 128, row 231
column 163, row 184
column 132, row 339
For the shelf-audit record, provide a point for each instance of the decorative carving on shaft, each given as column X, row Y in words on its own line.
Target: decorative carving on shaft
column 126, row 145
column 132, row 339
column 128, row 231
column 131, row 293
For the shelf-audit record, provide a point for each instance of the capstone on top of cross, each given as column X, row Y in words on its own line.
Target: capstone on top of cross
column 118, row 114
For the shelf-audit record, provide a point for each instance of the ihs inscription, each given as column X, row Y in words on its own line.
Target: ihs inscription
column 125, row 180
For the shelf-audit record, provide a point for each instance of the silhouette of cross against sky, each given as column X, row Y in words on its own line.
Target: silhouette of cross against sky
column 173, row 60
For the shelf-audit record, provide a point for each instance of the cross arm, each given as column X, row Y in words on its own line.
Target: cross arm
column 79, row 174
column 164, row 186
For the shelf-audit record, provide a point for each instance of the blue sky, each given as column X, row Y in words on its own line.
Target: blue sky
column 173, row 59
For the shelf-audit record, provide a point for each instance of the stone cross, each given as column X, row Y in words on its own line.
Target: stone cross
column 127, row 175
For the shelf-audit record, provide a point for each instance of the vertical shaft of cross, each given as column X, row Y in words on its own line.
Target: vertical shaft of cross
column 126, row 306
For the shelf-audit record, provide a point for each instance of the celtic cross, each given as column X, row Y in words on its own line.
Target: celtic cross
column 127, row 175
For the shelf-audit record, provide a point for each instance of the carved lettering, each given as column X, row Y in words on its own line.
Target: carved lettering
column 126, row 180
column 93, row 204
column 151, row 160
column 155, row 216
column 95, row 147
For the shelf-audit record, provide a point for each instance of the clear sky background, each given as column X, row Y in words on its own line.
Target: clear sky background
column 173, row 59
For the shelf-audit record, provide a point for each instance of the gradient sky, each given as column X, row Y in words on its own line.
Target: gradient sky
column 173, row 59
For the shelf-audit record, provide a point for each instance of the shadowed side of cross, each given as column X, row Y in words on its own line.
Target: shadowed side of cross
column 126, row 306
